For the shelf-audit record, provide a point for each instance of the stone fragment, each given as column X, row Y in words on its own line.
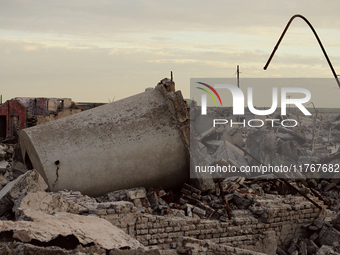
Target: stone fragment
column 185, row 192
column 14, row 248
column 330, row 186
column 86, row 229
column 336, row 221
column 159, row 191
column 234, row 136
column 231, row 154
column 241, row 199
column 313, row 237
column 279, row 251
column 257, row 189
column 200, row 212
column 48, row 203
column 260, row 144
column 136, row 193
column 189, row 209
column 329, row 235
column 313, row 228
column 201, row 180
column 312, row 248
column 192, row 189
column 326, row 250
column 318, row 223
column 14, row 191
column 289, row 149
column 293, row 245
column 302, row 248
column 297, row 137
column 153, row 199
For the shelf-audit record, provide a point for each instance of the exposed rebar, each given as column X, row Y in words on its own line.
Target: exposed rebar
column 317, row 38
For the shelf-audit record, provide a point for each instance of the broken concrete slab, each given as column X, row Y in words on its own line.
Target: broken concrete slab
column 234, row 136
column 114, row 146
column 85, row 203
column 86, row 229
column 285, row 136
column 48, row 203
column 201, row 180
column 231, row 154
column 260, row 144
column 297, row 137
column 289, row 149
column 31, row 181
column 214, row 144
column 14, row 248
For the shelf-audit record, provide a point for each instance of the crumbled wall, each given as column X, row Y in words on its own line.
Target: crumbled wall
column 287, row 216
column 59, row 115
column 15, row 113
column 186, row 245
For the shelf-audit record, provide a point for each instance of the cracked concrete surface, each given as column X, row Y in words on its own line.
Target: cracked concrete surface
column 98, row 148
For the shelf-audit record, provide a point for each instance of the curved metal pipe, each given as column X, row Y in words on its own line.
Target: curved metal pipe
column 317, row 38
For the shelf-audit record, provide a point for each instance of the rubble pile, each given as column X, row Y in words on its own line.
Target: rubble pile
column 234, row 215
column 242, row 213
column 7, row 173
column 323, row 238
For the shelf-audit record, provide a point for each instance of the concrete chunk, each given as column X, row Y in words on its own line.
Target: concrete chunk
column 329, row 235
column 86, row 229
column 136, row 193
column 31, row 181
column 48, row 203
column 326, row 250
column 231, row 154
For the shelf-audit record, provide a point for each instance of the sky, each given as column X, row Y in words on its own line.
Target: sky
column 100, row 51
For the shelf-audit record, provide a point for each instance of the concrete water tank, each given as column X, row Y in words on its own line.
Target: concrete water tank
column 140, row 141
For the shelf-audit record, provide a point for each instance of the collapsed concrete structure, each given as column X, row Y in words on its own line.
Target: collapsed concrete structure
column 233, row 215
column 138, row 141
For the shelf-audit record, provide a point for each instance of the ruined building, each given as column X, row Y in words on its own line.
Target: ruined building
column 114, row 180
column 23, row 112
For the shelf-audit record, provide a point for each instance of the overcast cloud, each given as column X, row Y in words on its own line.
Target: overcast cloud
column 96, row 50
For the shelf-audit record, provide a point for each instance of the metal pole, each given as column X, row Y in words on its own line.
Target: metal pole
column 238, row 76
column 238, row 85
column 317, row 38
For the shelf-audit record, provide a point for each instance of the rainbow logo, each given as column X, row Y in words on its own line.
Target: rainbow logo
column 209, row 93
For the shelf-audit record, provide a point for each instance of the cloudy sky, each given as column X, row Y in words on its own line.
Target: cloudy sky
column 94, row 51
